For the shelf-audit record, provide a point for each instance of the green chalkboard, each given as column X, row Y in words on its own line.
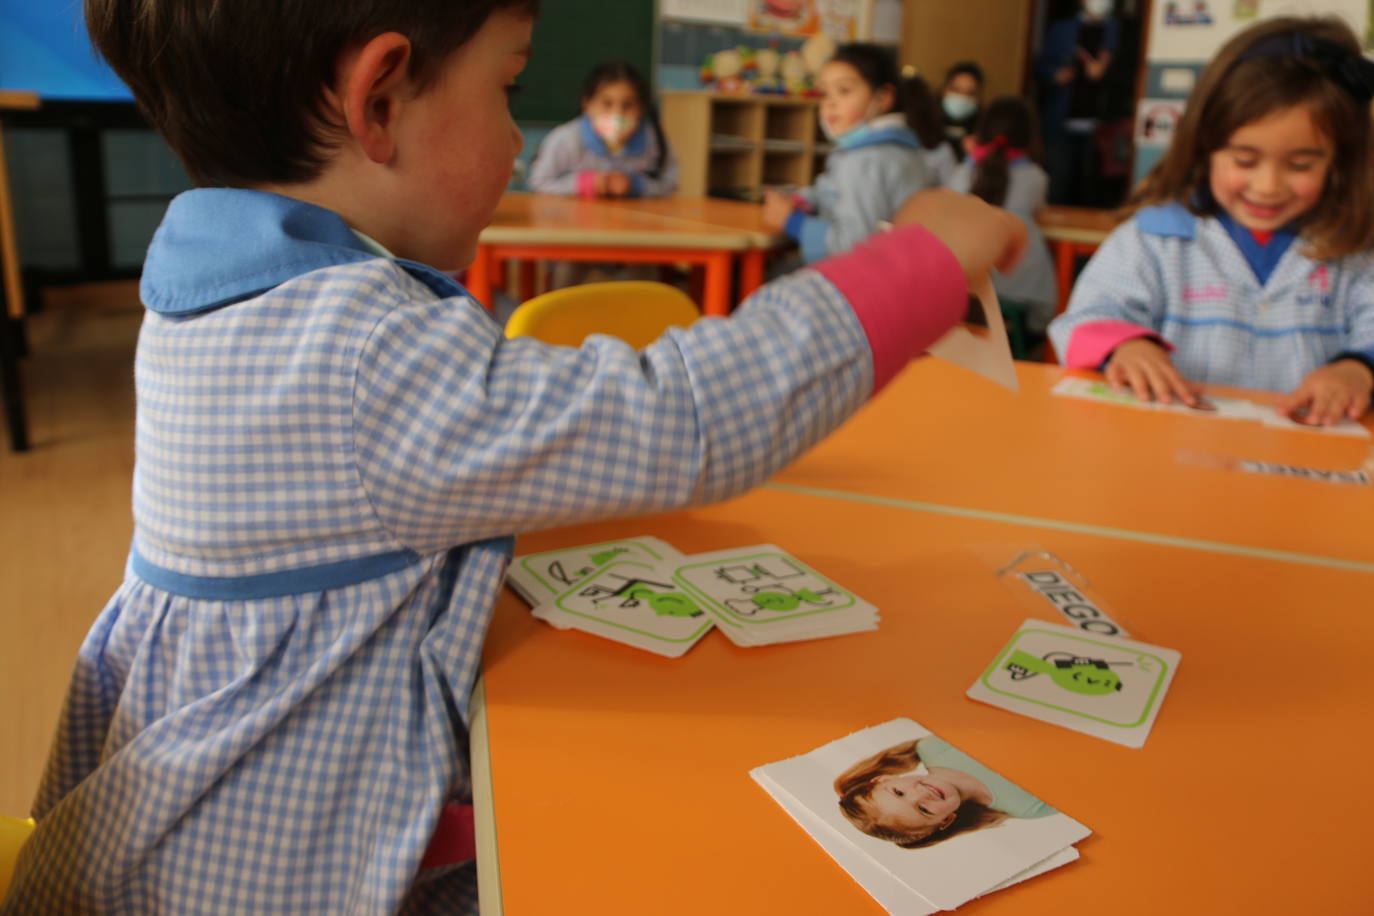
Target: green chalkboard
column 571, row 37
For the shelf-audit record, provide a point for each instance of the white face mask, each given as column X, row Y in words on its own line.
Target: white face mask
column 614, row 129
column 958, row 107
column 1098, row 9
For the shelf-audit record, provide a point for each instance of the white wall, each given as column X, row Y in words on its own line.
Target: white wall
column 1200, row 42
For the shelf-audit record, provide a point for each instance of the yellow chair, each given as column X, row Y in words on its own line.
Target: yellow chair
column 637, row 312
column 13, row 833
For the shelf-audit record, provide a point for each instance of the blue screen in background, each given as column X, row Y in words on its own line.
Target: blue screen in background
column 44, row 48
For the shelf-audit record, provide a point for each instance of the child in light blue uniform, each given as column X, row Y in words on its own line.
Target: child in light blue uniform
column 999, row 169
column 1247, row 261
column 335, row 443
column 875, row 166
column 614, row 149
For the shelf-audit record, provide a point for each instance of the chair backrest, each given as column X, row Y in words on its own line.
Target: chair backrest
column 637, row 312
column 13, row 833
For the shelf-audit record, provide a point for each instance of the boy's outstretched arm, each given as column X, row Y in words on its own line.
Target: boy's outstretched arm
column 461, row 434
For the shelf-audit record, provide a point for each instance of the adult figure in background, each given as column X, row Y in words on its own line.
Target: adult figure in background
column 961, row 100
column 1077, row 52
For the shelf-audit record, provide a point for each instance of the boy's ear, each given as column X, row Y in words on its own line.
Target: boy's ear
column 372, row 84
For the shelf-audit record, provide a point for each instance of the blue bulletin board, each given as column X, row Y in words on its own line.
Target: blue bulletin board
column 44, row 48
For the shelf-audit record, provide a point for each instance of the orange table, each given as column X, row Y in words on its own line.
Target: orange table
column 620, row 782
column 1072, row 232
column 941, row 437
column 617, row 781
column 701, row 231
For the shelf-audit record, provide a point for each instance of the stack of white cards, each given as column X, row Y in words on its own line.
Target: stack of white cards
column 643, row 592
column 1015, row 837
column 1221, row 408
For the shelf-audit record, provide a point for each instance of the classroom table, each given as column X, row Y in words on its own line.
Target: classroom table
column 714, row 234
column 942, row 437
column 1072, row 232
column 615, row 781
column 11, row 287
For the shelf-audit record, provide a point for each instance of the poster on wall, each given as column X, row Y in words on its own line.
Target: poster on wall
column 1187, row 12
column 838, row 19
column 724, row 12
column 1155, row 120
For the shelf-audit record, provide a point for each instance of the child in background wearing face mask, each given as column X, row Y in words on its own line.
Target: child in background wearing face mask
column 875, row 166
column 961, row 100
column 613, row 149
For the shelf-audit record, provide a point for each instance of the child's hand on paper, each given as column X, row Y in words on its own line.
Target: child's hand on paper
column 1144, row 367
column 1331, row 393
column 777, row 207
column 979, row 235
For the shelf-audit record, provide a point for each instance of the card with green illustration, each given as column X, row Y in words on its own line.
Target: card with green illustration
column 1108, row 687
column 631, row 602
column 540, row 577
column 762, row 595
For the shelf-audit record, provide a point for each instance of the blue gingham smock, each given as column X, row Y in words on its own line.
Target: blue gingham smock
column 332, row 448
column 1185, row 278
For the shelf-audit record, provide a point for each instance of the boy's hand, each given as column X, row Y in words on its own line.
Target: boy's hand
column 777, row 207
column 617, row 184
column 1336, row 390
column 979, row 235
column 1143, row 366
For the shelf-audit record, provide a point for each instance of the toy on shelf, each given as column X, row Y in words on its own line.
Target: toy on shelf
column 728, row 70
column 766, row 70
column 767, row 76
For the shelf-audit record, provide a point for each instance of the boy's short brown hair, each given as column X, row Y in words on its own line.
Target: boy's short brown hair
column 237, row 89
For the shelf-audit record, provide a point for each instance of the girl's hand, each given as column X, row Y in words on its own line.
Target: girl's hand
column 979, row 235
column 617, row 184
column 1143, row 366
column 777, row 207
column 1326, row 395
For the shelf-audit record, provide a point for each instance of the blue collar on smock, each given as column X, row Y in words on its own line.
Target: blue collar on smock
column 1175, row 220
column 218, row 246
column 1169, row 220
column 636, row 145
column 875, row 132
column 1261, row 258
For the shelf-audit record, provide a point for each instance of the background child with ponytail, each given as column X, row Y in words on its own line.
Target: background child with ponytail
column 999, row 169
column 927, row 121
column 614, row 149
column 875, row 166
column 1247, row 260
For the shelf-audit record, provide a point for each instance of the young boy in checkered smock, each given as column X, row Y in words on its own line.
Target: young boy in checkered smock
column 1248, row 261
column 335, row 443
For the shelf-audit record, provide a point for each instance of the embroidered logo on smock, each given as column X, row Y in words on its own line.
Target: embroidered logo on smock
column 1318, row 287
column 1209, row 293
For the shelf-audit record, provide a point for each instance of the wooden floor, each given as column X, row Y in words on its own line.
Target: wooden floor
column 64, row 515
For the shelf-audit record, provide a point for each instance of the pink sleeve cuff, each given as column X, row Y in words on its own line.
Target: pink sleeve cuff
column 586, row 183
column 907, row 290
column 1093, row 341
column 799, row 202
